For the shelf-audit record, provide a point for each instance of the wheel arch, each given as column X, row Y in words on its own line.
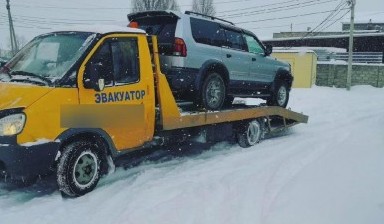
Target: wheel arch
column 211, row 66
column 99, row 135
column 285, row 75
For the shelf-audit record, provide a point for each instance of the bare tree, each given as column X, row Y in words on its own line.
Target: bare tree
column 146, row 5
column 204, row 7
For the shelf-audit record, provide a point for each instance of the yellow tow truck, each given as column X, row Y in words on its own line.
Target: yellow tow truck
column 75, row 100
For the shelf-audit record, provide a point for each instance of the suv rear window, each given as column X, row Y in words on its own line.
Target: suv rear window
column 206, row 32
column 164, row 28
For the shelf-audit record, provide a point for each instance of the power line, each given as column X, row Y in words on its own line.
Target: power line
column 287, row 17
column 259, row 6
column 331, row 16
column 335, row 21
column 278, row 26
column 333, row 13
column 114, row 8
column 70, row 8
column 61, row 19
column 279, row 9
column 337, row 9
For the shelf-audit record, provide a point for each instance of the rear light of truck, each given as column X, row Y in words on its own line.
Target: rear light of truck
column 179, row 48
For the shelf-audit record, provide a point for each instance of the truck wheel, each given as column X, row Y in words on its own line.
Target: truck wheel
column 280, row 96
column 79, row 168
column 213, row 92
column 249, row 134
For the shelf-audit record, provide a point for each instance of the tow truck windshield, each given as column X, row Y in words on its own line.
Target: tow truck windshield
column 47, row 58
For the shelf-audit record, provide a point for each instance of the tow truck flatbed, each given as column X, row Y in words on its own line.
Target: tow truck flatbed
column 171, row 118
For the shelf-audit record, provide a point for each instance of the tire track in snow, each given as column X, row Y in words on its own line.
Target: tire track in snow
column 288, row 168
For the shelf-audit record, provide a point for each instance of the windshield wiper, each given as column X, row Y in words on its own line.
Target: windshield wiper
column 30, row 74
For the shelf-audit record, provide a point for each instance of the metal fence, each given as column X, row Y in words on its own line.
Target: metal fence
column 362, row 57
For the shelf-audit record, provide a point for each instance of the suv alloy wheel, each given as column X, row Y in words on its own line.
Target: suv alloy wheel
column 213, row 92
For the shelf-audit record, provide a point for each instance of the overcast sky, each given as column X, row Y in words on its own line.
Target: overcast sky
column 34, row 17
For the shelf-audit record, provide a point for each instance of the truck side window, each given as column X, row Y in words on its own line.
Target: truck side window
column 253, row 45
column 125, row 60
column 117, row 62
column 102, row 58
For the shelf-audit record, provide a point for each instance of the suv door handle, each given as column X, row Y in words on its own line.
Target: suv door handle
column 229, row 55
column 253, row 59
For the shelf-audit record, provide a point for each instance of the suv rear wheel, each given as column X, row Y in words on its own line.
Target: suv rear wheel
column 213, row 92
column 280, row 95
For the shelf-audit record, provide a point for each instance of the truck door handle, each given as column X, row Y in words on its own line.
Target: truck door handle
column 253, row 59
column 229, row 55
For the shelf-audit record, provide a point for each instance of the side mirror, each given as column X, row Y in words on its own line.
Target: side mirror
column 268, row 49
column 92, row 78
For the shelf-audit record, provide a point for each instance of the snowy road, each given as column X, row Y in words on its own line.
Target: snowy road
column 330, row 170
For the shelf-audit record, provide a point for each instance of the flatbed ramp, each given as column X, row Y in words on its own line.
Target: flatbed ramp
column 276, row 116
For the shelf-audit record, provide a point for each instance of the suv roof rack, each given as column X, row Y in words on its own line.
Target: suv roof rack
column 211, row 17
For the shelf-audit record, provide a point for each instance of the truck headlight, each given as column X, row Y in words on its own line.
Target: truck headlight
column 12, row 124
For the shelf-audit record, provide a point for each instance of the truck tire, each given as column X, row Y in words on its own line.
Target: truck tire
column 249, row 134
column 213, row 92
column 79, row 168
column 280, row 96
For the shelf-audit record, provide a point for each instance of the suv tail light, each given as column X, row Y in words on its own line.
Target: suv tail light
column 179, row 48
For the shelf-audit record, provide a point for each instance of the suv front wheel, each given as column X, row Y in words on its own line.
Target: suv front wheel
column 213, row 92
column 280, row 96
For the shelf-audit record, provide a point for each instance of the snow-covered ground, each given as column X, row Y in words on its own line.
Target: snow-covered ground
column 330, row 170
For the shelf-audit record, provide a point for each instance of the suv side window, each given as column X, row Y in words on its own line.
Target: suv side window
column 206, row 32
column 235, row 40
column 118, row 61
column 253, row 45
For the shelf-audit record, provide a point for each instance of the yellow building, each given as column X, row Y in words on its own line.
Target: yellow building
column 303, row 64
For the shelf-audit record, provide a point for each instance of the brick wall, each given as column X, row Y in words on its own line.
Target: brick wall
column 336, row 75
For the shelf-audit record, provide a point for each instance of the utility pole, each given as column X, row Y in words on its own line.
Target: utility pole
column 352, row 3
column 12, row 31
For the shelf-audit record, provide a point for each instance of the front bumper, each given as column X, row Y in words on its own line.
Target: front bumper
column 19, row 162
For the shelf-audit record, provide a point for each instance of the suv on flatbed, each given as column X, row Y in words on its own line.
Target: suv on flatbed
column 210, row 61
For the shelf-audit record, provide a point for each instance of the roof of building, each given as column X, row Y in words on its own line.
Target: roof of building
column 328, row 36
column 371, row 17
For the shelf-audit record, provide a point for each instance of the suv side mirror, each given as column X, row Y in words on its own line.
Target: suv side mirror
column 92, row 79
column 268, row 49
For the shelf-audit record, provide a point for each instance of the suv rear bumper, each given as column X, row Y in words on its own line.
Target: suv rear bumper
column 19, row 162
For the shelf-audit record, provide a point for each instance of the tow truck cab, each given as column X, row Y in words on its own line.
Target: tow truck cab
column 106, row 72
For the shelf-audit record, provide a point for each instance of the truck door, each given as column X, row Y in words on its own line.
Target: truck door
column 124, row 100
